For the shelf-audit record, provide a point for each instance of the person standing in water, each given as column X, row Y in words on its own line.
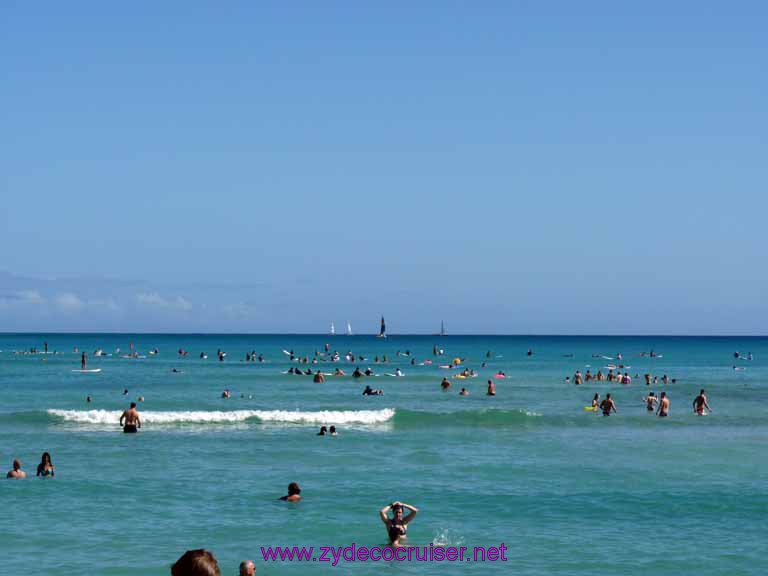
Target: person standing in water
column 608, row 406
column 491, row 388
column 130, row 420
column 663, row 410
column 700, row 403
column 82, row 362
column 650, row 402
column 397, row 526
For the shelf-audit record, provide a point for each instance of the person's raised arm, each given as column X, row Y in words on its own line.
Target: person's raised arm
column 412, row 514
column 383, row 514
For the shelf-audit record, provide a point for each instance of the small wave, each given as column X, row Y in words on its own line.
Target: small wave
column 488, row 417
column 182, row 417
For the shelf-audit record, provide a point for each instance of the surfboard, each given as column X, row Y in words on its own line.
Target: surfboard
column 90, row 370
column 590, row 408
column 394, row 375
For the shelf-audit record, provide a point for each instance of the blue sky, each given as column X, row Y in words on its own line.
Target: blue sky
column 509, row 167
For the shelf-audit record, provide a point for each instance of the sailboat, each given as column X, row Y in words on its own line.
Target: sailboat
column 442, row 328
column 349, row 329
column 383, row 331
column 333, row 330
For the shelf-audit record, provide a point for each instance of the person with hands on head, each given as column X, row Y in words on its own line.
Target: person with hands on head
column 397, row 526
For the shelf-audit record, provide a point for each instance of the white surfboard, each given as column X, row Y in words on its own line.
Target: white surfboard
column 90, row 371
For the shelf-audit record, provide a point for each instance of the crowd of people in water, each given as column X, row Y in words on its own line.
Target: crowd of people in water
column 393, row 516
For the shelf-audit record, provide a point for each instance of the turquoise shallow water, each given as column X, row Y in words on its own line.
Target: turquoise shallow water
column 566, row 491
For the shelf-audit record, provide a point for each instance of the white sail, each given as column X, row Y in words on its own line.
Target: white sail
column 349, row 329
column 333, row 329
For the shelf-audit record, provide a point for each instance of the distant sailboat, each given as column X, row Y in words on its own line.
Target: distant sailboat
column 442, row 328
column 333, row 330
column 383, row 331
column 349, row 329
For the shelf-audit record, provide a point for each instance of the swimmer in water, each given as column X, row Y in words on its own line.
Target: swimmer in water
column 464, row 392
column 17, row 473
column 491, row 388
column 650, row 402
column 294, row 493
column 323, row 431
column 700, row 404
column 130, row 420
column 332, row 431
column 397, row 526
column 608, row 406
column 663, row 410
column 45, row 468
column 445, row 384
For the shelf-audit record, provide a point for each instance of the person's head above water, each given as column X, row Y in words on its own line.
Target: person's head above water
column 247, row 568
column 133, row 404
column 196, row 563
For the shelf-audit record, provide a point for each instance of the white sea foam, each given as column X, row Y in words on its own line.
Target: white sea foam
column 295, row 417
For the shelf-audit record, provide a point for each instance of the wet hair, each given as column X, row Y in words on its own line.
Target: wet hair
column 396, row 507
column 196, row 563
column 702, row 391
column 133, row 404
column 293, row 488
column 17, row 464
column 45, row 457
column 333, row 429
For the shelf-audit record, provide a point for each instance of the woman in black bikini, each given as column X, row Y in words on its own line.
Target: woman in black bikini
column 397, row 526
column 45, row 468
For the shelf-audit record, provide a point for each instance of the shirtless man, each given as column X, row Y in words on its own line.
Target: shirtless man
column 663, row 410
column 130, row 420
column 608, row 405
column 700, row 403
column 17, row 473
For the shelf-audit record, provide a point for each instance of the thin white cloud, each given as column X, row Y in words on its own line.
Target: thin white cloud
column 69, row 302
column 240, row 311
column 21, row 298
column 32, row 297
column 153, row 299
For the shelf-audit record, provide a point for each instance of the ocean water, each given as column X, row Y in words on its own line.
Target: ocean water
column 566, row 491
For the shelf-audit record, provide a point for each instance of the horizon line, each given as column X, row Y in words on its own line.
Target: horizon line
column 375, row 335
